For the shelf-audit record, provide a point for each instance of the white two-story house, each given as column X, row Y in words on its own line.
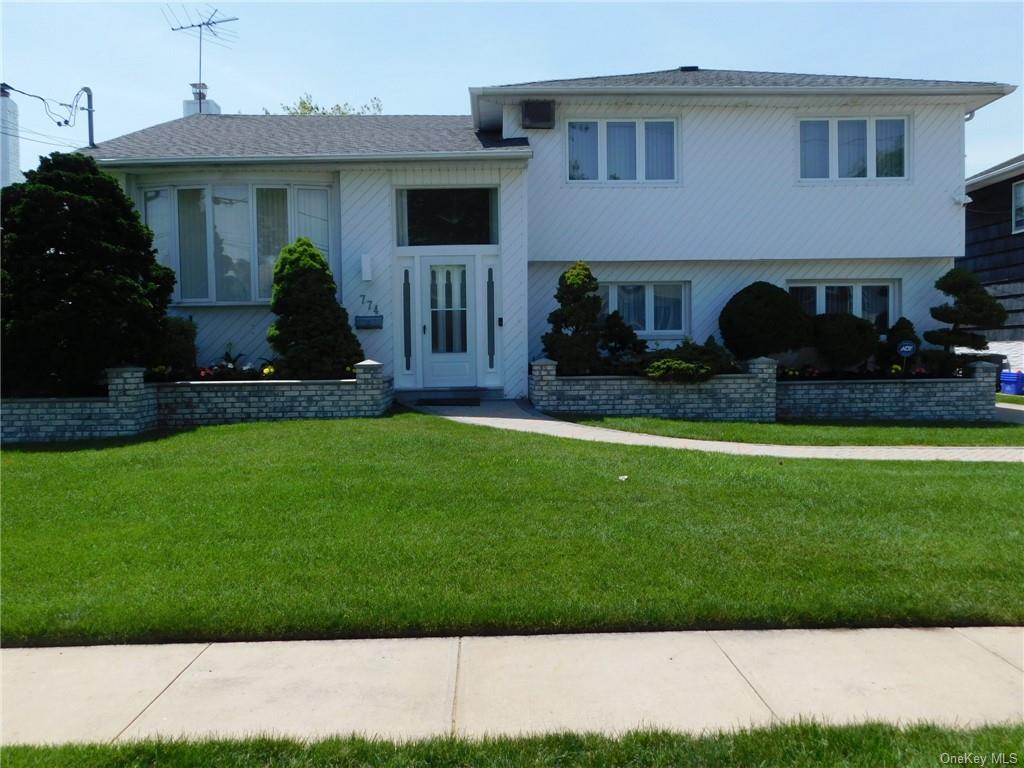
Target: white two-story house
column 447, row 234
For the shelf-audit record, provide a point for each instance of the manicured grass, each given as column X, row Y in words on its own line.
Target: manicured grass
column 1012, row 399
column 792, row 746
column 412, row 525
column 998, row 433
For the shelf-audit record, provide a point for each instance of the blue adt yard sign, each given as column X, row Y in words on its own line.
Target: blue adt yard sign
column 906, row 349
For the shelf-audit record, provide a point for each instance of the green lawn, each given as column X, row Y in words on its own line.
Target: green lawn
column 1012, row 399
column 782, row 433
column 412, row 525
column 795, row 746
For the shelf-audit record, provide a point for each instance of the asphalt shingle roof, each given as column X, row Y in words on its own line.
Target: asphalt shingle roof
column 307, row 136
column 692, row 77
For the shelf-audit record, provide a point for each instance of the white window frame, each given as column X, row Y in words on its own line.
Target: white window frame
column 648, row 332
column 872, row 150
column 1015, row 227
column 641, row 148
column 856, row 285
column 174, row 260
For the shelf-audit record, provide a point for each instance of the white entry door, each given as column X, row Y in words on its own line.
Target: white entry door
column 449, row 322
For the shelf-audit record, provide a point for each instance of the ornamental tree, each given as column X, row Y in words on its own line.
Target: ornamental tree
column 575, row 329
column 82, row 290
column 972, row 306
column 311, row 333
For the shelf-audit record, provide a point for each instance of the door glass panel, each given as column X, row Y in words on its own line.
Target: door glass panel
column 448, row 310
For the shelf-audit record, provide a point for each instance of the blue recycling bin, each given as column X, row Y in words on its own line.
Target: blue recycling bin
column 1011, row 383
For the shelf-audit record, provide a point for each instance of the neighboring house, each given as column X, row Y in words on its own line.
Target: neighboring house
column 995, row 248
column 679, row 188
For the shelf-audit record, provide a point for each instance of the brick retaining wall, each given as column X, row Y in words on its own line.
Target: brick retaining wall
column 132, row 407
column 734, row 397
column 960, row 399
column 756, row 396
column 128, row 409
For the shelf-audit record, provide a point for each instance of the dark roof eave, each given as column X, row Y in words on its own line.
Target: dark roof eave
column 490, row 154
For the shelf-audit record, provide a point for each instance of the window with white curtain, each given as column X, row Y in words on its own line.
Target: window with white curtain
column 853, row 148
column 651, row 309
column 223, row 240
column 622, row 150
column 873, row 300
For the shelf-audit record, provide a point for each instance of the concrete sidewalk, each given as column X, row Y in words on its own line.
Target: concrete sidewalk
column 472, row 686
column 520, row 416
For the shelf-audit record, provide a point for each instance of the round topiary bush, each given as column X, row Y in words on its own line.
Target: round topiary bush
column 311, row 333
column 844, row 340
column 763, row 319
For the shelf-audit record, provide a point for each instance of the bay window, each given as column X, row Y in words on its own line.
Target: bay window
column 874, row 301
column 623, row 150
column 853, row 148
column 650, row 309
column 222, row 240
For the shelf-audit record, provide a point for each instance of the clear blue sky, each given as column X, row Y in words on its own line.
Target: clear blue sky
column 421, row 58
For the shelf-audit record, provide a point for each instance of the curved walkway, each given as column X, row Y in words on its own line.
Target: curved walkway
column 520, row 416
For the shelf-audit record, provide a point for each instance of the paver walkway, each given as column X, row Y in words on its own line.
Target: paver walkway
column 522, row 417
column 473, row 686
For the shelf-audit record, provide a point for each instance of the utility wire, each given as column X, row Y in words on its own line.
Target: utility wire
column 39, row 141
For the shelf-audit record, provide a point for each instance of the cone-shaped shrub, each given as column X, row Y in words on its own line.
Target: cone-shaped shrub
column 311, row 334
column 575, row 328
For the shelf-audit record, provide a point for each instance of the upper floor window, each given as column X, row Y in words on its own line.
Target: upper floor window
column 874, row 301
column 621, row 150
column 448, row 216
column 1018, row 207
column 853, row 148
column 648, row 308
column 222, row 239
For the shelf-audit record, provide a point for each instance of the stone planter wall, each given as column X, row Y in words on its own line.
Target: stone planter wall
column 735, row 397
column 756, row 396
column 128, row 409
column 133, row 407
column 195, row 403
column 961, row 399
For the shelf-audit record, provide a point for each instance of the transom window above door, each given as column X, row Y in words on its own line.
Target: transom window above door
column 447, row 216
column 650, row 309
column 621, row 150
column 222, row 240
column 874, row 301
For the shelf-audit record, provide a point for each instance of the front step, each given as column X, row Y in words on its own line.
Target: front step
column 466, row 396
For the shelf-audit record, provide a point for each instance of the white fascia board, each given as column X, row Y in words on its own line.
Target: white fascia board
column 975, row 97
column 493, row 154
column 983, row 180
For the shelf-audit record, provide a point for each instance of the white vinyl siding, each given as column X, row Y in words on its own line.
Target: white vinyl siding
column 222, row 240
column 651, row 309
column 627, row 151
column 853, row 148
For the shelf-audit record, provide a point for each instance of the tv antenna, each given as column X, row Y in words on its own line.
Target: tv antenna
column 196, row 29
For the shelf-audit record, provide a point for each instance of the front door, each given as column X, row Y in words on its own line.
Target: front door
column 449, row 322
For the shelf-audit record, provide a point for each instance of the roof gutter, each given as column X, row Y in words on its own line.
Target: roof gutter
column 397, row 157
column 994, row 177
